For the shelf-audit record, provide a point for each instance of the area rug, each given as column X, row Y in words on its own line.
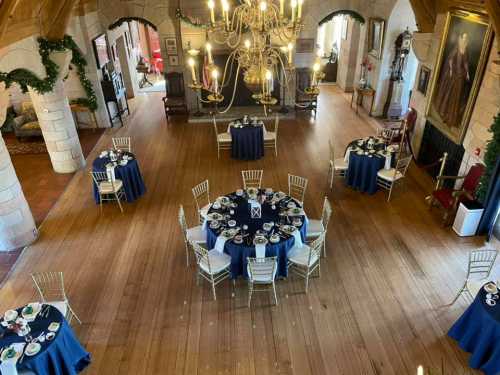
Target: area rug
column 23, row 148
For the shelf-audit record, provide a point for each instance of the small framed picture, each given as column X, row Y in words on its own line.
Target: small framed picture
column 173, row 60
column 376, row 29
column 423, row 79
column 305, row 45
column 171, row 46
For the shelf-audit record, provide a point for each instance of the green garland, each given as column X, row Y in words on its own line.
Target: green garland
column 490, row 160
column 25, row 78
column 187, row 20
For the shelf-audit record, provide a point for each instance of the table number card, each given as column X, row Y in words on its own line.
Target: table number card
column 255, row 212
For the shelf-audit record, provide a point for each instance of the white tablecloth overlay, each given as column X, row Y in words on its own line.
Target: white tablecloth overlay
column 8, row 367
column 260, row 251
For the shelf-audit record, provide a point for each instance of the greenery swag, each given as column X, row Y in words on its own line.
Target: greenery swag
column 26, row 78
column 490, row 159
column 188, row 20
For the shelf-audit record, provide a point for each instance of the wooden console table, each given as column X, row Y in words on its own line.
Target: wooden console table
column 82, row 109
column 360, row 94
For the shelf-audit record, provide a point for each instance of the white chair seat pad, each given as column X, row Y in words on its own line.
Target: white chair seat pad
column 388, row 174
column 196, row 234
column 62, row 306
column 204, row 211
column 224, row 137
column 105, row 187
column 340, row 163
column 314, row 228
column 269, row 136
column 300, row 256
column 218, row 262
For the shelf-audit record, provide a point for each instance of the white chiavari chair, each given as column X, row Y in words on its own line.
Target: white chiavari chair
column 50, row 286
column 252, row 178
column 109, row 189
column 261, row 276
column 122, row 143
column 478, row 270
column 297, row 187
column 201, row 196
column 338, row 166
column 304, row 260
column 387, row 178
column 388, row 134
column 212, row 265
column 316, row 227
column 223, row 139
column 271, row 137
column 190, row 235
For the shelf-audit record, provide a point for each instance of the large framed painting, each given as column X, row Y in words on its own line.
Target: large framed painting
column 459, row 71
column 376, row 29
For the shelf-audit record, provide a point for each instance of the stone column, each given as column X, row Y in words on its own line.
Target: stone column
column 17, row 227
column 57, row 122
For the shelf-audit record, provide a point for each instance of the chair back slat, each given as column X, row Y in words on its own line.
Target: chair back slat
column 201, row 194
column 100, row 177
column 183, row 223
column 50, row 286
column 297, row 187
column 276, row 125
column 481, row 262
column 252, row 178
column 262, row 269
column 315, row 247
column 122, row 143
column 201, row 255
column 403, row 164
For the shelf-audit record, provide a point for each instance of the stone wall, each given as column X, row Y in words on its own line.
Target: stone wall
column 348, row 56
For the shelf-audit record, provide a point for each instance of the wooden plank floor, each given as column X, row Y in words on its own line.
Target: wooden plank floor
column 377, row 308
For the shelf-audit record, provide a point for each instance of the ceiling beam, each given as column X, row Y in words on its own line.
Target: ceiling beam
column 57, row 15
column 7, row 9
column 425, row 14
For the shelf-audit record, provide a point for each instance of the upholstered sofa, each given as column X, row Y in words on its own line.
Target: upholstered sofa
column 26, row 124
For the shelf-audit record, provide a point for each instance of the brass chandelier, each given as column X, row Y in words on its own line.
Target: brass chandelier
column 261, row 36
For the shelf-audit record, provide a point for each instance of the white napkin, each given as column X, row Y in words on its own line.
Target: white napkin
column 219, row 244
column 388, row 157
column 347, row 154
column 110, row 171
column 8, row 367
column 260, row 251
column 204, row 225
column 298, row 238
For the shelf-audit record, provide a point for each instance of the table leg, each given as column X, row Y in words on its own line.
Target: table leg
column 371, row 105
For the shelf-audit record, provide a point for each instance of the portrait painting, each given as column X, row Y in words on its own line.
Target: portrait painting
column 376, row 37
column 460, row 66
column 423, row 79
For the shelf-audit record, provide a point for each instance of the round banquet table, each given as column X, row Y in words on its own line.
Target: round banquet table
column 63, row 355
column 240, row 252
column 247, row 142
column 363, row 168
column 133, row 184
column 477, row 331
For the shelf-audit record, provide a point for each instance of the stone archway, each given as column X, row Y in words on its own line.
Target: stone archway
column 351, row 13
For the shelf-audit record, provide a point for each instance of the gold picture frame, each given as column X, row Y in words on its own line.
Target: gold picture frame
column 376, row 34
column 459, row 69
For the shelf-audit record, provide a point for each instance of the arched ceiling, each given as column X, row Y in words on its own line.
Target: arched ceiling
column 22, row 18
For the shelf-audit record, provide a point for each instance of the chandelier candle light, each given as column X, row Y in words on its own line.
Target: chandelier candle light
column 261, row 36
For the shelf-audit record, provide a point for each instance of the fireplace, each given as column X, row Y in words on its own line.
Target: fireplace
column 243, row 96
column 434, row 144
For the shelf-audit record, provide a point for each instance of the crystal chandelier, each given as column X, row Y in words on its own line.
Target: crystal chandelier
column 261, row 36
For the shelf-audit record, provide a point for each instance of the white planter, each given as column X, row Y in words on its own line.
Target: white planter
column 467, row 219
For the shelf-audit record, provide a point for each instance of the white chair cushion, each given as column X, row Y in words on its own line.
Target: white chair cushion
column 473, row 286
column 269, row 136
column 340, row 163
column 224, row 137
column 314, row 228
column 300, row 256
column 388, row 174
column 262, row 278
column 105, row 187
column 196, row 234
column 62, row 306
column 204, row 211
column 218, row 262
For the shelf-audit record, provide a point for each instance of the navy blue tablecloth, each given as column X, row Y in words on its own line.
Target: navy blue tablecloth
column 240, row 252
column 130, row 175
column 362, row 172
column 247, row 142
column 478, row 331
column 64, row 355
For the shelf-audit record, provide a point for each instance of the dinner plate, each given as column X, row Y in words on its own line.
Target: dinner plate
column 10, row 354
column 31, row 310
column 214, row 224
column 32, row 348
column 10, row 315
column 260, row 240
column 288, row 229
column 491, row 288
column 296, row 211
column 275, row 238
column 291, row 204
